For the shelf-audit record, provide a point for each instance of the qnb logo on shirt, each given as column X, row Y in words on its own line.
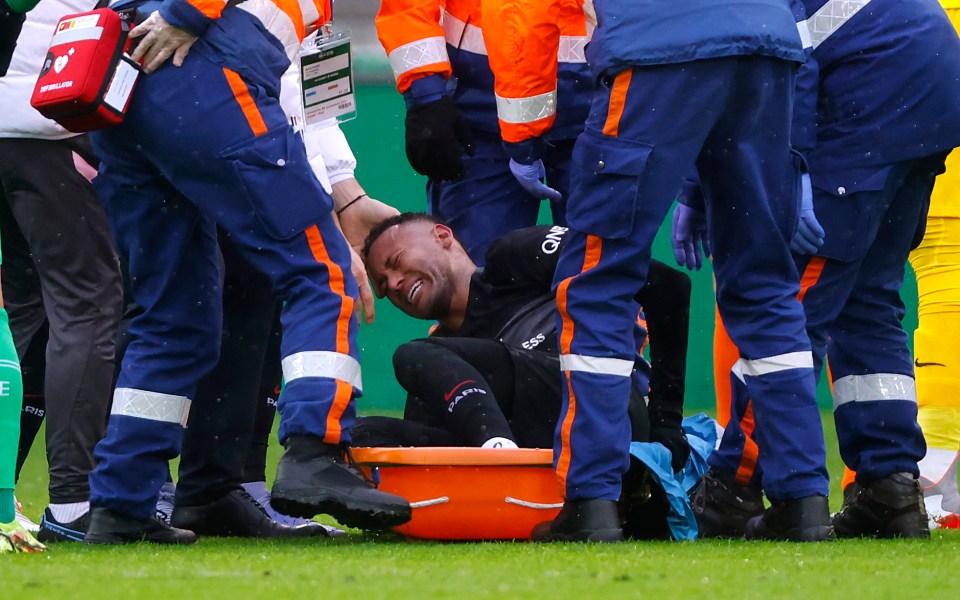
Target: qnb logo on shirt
column 463, row 393
column 551, row 243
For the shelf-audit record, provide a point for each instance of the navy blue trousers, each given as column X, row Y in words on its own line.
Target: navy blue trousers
column 202, row 146
column 649, row 128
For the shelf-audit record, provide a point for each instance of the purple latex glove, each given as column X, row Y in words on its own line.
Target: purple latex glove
column 809, row 235
column 688, row 235
column 531, row 179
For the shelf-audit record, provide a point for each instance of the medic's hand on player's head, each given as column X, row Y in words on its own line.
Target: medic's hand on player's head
column 809, row 235
column 160, row 41
column 366, row 305
column 688, row 235
column 437, row 135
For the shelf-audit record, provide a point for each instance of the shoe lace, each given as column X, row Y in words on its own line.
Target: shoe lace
column 351, row 464
column 246, row 496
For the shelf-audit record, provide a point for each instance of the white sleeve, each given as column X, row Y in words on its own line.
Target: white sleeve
column 332, row 145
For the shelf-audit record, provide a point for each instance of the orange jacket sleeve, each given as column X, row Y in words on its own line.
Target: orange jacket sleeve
column 522, row 39
column 413, row 39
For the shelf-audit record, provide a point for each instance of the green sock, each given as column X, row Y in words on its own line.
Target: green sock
column 11, row 403
column 8, row 510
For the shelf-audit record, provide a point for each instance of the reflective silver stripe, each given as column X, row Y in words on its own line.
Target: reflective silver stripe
column 153, row 406
column 463, row 36
column 419, row 53
column 874, row 387
column 572, row 48
column 596, row 364
column 310, row 12
column 526, row 110
column 773, row 364
column 805, row 40
column 332, row 365
column 277, row 22
column 68, row 36
column 831, row 16
column 10, row 364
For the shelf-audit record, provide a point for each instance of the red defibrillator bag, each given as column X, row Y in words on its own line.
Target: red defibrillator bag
column 86, row 81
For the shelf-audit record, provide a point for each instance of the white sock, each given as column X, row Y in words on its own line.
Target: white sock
column 499, row 442
column 66, row 513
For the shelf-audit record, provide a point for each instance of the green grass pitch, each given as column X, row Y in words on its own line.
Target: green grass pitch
column 364, row 566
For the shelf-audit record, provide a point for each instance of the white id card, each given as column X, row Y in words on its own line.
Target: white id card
column 326, row 78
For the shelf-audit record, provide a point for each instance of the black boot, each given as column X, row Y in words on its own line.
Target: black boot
column 643, row 506
column 800, row 520
column 314, row 478
column 108, row 527
column 887, row 507
column 723, row 507
column 236, row 514
column 582, row 521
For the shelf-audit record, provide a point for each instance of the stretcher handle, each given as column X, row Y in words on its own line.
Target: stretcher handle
column 431, row 502
column 528, row 504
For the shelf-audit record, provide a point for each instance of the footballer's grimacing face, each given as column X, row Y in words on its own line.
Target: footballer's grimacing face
column 410, row 265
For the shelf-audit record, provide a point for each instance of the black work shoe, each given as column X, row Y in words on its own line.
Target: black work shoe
column 315, row 478
column 108, row 527
column 237, row 514
column 52, row 530
column 723, row 507
column 582, row 521
column 887, row 507
column 800, row 520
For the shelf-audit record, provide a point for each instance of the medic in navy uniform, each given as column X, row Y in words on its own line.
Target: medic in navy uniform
column 703, row 85
column 462, row 126
column 886, row 116
column 205, row 143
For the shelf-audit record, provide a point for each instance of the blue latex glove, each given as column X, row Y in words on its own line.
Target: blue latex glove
column 688, row 235
column 531, row 179
column 809, row 235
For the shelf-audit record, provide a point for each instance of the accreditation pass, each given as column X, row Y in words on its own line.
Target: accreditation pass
column 326, row 76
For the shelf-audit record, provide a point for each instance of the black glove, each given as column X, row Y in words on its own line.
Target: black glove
column 437, row 136
column 666, row 429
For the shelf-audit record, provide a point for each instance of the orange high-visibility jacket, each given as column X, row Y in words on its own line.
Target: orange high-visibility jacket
column 535, row 49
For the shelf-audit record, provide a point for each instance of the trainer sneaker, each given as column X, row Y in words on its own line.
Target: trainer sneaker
column 237, row 514
column 23, row 519
column 314, row 478
column 582, row 521
column 937, row 516
column 52, row 530
column 887, row 507
column 723, row 507
column 14, row 537
column 261, row 495
column 108, row 527
column 164, row 509
column 799, row 520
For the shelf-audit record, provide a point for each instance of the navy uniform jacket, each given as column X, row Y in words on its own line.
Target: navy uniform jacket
column 889, row 84
column 888, row 91
column 653, row 32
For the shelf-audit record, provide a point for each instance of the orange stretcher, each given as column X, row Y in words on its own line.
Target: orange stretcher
column 468, row 493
